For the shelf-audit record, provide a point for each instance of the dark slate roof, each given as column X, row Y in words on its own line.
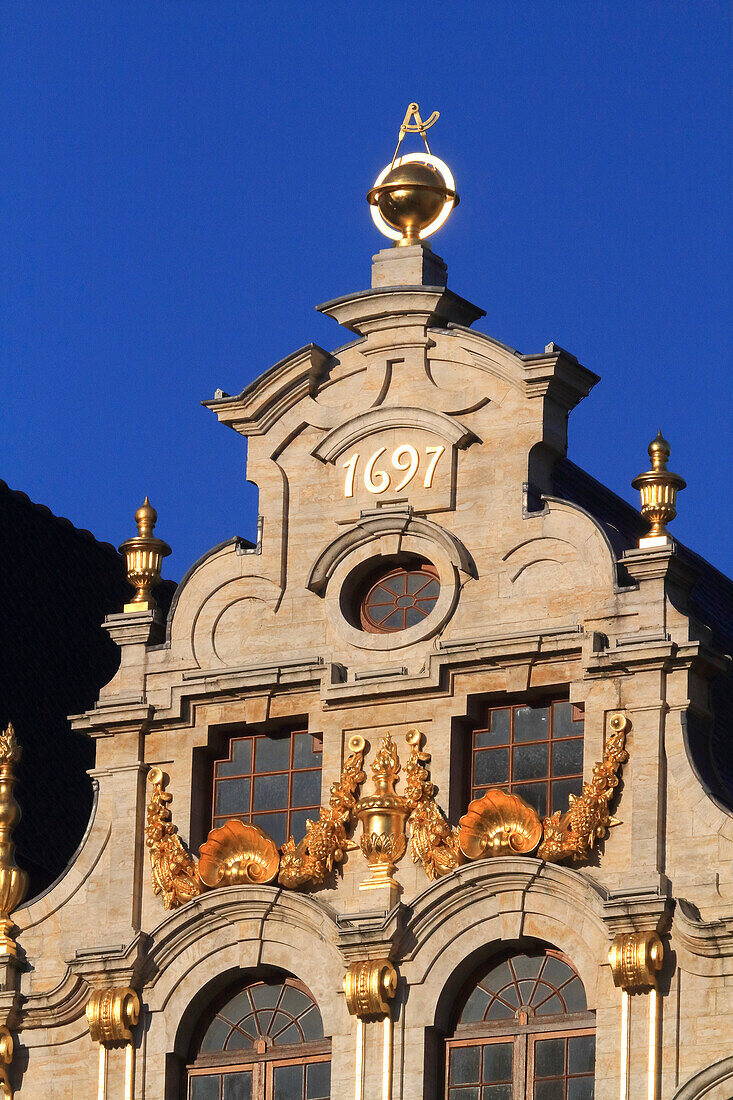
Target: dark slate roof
column 57, row 583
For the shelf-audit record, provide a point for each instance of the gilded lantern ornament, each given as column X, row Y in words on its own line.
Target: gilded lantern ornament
column 382, row 816
column 658, row 488
column 144, row 553
column 13, row 881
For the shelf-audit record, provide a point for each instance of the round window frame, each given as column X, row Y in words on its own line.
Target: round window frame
column 347, row 581
column 369, row 624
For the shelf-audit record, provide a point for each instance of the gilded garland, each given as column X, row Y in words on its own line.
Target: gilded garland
column 497, row 824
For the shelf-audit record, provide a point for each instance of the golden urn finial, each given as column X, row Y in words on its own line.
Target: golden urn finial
column 414, row 195
column 144, row 555
column 13, row 881
column 383, row 815
column 658, row 488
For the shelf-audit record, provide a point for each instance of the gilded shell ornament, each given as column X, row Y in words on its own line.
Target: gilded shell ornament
column 237, row 853
column 499, row 824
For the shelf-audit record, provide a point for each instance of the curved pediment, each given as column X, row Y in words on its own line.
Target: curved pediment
column 381, row 419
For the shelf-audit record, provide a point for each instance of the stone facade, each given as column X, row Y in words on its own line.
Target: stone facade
column 539, row 597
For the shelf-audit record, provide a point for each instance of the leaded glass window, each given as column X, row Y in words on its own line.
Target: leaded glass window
column 535, row 751
column 523, row 1032
column 272, row 780
column 264, row 1043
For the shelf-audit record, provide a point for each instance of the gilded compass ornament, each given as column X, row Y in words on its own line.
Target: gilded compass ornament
column 413, row 196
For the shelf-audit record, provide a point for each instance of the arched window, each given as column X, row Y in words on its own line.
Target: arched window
column 264, row 1042
column 523, row 1032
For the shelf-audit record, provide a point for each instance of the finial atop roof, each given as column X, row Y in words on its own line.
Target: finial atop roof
column 658, row 488
column 144, row 553
column 414, row 195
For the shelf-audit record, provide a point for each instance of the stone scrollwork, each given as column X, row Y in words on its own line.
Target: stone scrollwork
column 326, row 839
column 369, row 987
column 112, row 1014
column 174, row 871
column 433, row 842
column 573, row 834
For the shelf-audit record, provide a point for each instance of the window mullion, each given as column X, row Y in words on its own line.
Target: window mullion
column 521, row 1087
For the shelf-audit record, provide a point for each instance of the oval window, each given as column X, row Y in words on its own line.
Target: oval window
column 399, row 598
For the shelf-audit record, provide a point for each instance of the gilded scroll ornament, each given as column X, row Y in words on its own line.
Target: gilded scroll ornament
column 174, row 871
column 7, row 1049
column 238, row 852
column 573, row 834
column 382, row 816
column 369, row 987
column 499, row 824
column 13, row 881
column 433, row 842
column 635, row 959
column 326, row 839
column 112, row 1014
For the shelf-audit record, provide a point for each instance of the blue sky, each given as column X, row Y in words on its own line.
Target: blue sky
column 181, row 182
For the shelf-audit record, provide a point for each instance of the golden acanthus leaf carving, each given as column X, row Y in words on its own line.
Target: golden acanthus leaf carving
column 174, row 872
column 433, row 842
column 325, row 840
column 573, row 834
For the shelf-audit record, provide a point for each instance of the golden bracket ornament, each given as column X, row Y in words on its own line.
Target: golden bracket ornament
column 636, row 958
column 369, row 987
column 174, row 871
column 7, row 1050
column 112, row 1014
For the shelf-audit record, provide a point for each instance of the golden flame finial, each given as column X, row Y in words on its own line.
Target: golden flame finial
column 658, row 488
column 144, row 554
column 414, row 195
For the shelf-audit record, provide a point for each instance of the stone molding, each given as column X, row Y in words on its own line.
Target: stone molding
column 274, row 393
column 375, row 525
column 384, row 418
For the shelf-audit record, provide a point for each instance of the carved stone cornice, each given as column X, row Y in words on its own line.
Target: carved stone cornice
column 708, row 939
column 63, row 1004
column 370, row 934
column 113, row 965
column 626, row 911
column 229, row 911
